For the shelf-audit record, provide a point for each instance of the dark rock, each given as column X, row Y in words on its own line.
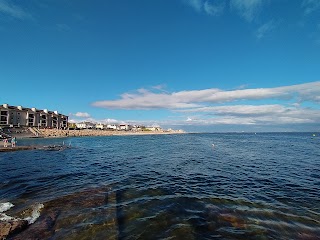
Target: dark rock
column 4, row 230
column 12, row 227
column 41, row 229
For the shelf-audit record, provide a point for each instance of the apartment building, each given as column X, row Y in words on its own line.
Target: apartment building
column 18, row 116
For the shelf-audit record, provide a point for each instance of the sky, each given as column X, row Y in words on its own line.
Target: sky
column 196, row 65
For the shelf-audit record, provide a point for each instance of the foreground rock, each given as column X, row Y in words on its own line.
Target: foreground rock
column 15, row 223
column 8, row 228
column 89, row 214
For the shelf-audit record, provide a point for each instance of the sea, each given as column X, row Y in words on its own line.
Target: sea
column 179, row 186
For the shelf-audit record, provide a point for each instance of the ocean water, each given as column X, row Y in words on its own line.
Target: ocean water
column 246, row 186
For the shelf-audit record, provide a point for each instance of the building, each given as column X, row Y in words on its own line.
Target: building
column 85, row 125
column 125, row 127
column 100, row 126
column 113, row 127
column 153, row 129
column 18, row 116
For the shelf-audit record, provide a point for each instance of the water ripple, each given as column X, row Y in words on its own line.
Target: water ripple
column 250, row 186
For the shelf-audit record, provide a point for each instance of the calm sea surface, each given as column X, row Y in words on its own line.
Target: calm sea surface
column 248, row 186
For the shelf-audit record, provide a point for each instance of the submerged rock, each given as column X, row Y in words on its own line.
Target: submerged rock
column 41, row 229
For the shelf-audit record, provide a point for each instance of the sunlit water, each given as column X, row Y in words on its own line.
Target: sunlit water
column 248, row 186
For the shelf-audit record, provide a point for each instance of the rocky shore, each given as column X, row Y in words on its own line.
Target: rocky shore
column 51, row 219
column 91, row 132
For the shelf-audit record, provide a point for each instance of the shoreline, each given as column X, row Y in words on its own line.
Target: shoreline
column 58, row 133
column 51, row 133
column 55, row 133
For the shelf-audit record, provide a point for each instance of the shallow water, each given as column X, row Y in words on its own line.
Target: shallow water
column 248, row 186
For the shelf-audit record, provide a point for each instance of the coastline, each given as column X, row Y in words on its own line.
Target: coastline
column 49, row 133
column 58, row 133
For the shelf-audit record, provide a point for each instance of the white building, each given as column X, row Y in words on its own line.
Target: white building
column 125, row 127
column 154, row 129
column 100, row 126
column 113, row 127
column 85, row 125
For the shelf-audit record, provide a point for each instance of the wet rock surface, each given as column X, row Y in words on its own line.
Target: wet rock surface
column 8, row 228
column 90, row 214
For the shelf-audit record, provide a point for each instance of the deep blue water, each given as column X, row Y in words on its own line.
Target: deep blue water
column 248, row 186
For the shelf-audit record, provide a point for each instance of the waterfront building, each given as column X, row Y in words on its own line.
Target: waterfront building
column 100, row 126
column 18, row 116
column 153, row 129
column 113, row 127
column 85, row 125
column 125, row 127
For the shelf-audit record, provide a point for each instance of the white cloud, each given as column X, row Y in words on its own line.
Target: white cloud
column 195, row 4
column 261, row 112
column 145, row 99
column 82, row 114
column 310, row 6
column 264, row 29
column 8, row 8
column 276, row 114
column 198, row 107
column 109, row 121
column 248, row 9
column 160, row 87
column 239, row 109
column 210, row 7
column 214, row 8
column 93, row 120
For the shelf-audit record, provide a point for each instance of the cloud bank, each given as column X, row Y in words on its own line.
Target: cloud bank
column 225, row 107
column 145, row 99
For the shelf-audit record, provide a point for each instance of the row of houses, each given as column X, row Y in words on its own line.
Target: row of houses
column 118, row 127
column 18, row 116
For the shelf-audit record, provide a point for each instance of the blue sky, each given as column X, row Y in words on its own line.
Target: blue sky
column 197, row 65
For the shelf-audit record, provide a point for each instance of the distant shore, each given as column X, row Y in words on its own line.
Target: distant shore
column 57, row 133
column 49, row 133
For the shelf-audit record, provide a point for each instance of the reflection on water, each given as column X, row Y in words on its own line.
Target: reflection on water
column 263, row 186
